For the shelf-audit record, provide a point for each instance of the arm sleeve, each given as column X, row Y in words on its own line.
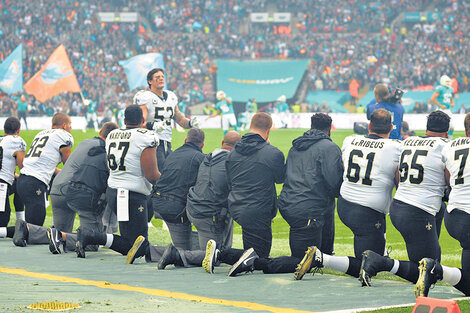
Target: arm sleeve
column 279, row 167
column 332, row 168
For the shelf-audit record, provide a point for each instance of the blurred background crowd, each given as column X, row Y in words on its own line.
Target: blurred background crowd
column 346, row 39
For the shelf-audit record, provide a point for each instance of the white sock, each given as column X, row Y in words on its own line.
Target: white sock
column 396, row 265
column 20, row 215
column 109, row 240
column 452, row 275
column 339, row 263
column 3, row 232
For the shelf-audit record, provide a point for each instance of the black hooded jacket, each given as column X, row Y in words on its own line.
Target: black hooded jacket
column 253, row 167
column 208, row 197
column 313, row 177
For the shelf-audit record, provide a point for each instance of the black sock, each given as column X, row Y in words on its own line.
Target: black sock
column 10, row 231
column 19, row 205
column 261, row 264
column 230, row 255
column 408, row 270
column 282, row 264
column 119, row 244
column 354, row 266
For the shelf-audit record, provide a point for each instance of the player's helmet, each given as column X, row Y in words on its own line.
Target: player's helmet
column 445, row 81
column 282, row 98
column 220, row 94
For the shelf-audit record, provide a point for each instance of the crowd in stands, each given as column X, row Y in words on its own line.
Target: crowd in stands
column 343, row 39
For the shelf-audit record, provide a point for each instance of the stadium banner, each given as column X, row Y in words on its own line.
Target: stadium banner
column 264, row 81
column 11, row 71
column 137, row 67
column 301, row 120
column 55, row 76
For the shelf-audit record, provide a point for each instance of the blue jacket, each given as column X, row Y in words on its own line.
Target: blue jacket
column 396, row 109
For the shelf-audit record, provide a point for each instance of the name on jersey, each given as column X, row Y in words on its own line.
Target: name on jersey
column 120, row 135
column 419, row 143
column 460, row 141
column 374, row 144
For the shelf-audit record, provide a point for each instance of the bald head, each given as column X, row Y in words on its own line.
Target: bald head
column 230, row 140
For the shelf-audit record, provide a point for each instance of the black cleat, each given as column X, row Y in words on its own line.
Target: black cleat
column 137, row 250
column 372, row 263
column 313, row 259
column 21, row 233
column 55, row 240
column 430, row 271
column 245, row 264
column 212, row 256
column 168, row 257
column 84, row 238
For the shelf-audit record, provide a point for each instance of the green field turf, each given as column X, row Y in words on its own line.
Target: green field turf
column 451, row 250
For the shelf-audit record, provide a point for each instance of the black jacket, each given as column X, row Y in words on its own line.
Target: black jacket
column 208, row 197
column 179, row 171
column 313, row 177
column 253, row 167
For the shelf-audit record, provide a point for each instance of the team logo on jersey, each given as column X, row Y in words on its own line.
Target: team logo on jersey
column 38, row 192
column 428, row 226
column 378, row 225
column 141, row 209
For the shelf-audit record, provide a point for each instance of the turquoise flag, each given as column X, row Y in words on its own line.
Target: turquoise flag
column 264, row 81
column 11, row 72
column 137, row 67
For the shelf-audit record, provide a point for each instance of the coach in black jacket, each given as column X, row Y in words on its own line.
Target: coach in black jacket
column 207, row 207
column 253, row 167
column 313, row 180
column 179, row 173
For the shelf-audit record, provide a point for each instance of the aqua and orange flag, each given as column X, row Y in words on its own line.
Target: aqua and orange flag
column 54, row 77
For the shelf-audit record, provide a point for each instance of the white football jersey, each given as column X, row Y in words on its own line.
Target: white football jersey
column 9, row 145
column 159, row 109
column 422, row 173
column 369, row 173
column 458, row 165
column 44, row 154
column 124, row 148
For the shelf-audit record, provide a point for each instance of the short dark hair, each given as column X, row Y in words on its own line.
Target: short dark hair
column 107, row 128
column 196, row 136
column 11, row 126
column 380, row 121
column 320, row 121
column 261, row 121
column 381, row 93
column 133, row 115
column 152, row 72
column 438, row 122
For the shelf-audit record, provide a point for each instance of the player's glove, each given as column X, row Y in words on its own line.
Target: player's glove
column 194, row 122
column 158, row 127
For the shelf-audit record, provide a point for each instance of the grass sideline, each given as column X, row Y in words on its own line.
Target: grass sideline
column 282, row 138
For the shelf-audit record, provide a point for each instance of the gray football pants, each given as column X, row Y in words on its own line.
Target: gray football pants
column 220, row 230
column 191, row 258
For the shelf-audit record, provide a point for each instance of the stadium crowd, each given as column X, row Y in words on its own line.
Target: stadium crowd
column 193, row 34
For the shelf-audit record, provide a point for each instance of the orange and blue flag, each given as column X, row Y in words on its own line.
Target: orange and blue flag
column 56, row 76
column 11, row 72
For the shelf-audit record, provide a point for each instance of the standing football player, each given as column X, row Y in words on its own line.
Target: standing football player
column 417, row 202
column 457, row 220
column 366, row 193
column 12, row 151
column 224, row 107
column 159, row 107
column 444, row 100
